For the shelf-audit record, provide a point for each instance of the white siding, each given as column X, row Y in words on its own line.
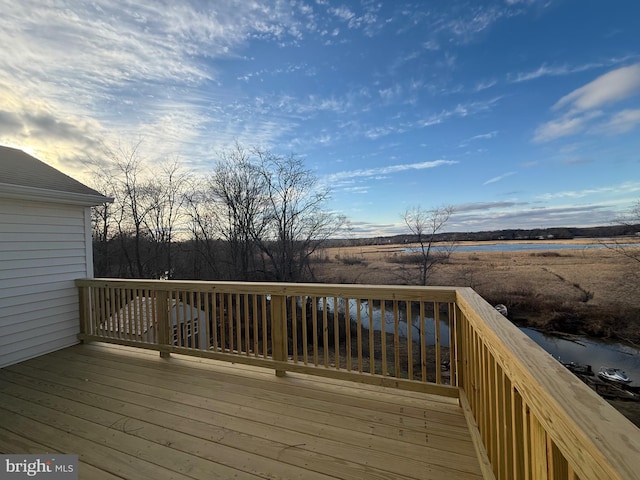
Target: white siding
column 43, row 249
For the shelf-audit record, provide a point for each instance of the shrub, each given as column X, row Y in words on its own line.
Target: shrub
column 549, row 254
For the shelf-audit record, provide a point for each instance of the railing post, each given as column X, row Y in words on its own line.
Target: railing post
column 83, row 305
column 162, row 322
column 460, row 347
column 279, row 330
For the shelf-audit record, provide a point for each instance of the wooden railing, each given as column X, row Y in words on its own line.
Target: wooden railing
column 530, row 417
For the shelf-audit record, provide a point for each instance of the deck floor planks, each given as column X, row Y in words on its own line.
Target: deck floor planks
column 349, row 388
column 168, row 412
column 245, row 420
column 439, row 432
column 237, row 433
column 286, row 390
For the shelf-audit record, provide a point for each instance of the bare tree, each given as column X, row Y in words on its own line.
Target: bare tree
column 131, row 210
column 203, row 225
column 239, row 190
column 296, row 221
column 163, row 196
column 102, row 221
column 425, row 225
column 631, row 220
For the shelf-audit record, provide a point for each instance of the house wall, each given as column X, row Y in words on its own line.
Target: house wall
column 44, row 247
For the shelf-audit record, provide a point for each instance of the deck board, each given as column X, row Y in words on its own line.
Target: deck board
column 130, row 414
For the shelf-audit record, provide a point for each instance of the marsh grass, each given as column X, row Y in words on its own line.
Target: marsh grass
column 592, row 291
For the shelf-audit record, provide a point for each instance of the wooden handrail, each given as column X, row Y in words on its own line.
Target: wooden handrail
column 535, row 419
column 568, row 431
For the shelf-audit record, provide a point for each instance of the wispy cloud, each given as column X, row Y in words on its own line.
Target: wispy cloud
column 388, row 170
column 533, row 217
column 485, row 85
column 621, row 122
column 622, row 189
column 499, row 178
column 564, row 126
column 584, row 104
column 484, row 136
column 546, row 70
column 367, row 20
column 484, row 206
column 461, row 110
column 551, row 71
column 604, row 90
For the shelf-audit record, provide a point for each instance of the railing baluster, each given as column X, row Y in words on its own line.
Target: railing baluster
column 372, row 348
column 359, row 333
column 223, row 324
column 325, row 332
column 163, row 319
column 423, row 343
column 305, row 334
column 383, row 337
column 294, row 329
column 278, row 330
column 347, row 330
column 238, row 324
column 314, row 320
column 254, row 315
column 485, row 401
column 558, row 469
column 144, row 317
column 517, row 436
column 230, row 321
column 508, row 423
column 539, row 459
column 247, row 336
column 215, row 316
column 526, row 435
column 203, row 304
column 396, row 338
column 438, row 359
column 130, row 302
column 176, row 319
column 188, row 308
column 409, row 342
column 265, row 336
column 336, row 333
column 454, row 333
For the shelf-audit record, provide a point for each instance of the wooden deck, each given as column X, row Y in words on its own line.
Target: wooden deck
column 130, row 414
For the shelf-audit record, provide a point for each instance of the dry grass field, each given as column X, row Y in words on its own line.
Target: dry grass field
column 587, row 291
column 582, row 291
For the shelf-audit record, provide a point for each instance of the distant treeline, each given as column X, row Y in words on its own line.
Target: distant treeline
column 556, row 233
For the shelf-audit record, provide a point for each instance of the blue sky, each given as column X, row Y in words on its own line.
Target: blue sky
column 519, row 113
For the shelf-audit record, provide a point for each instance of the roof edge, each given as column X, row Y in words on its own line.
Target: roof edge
column 20, row 192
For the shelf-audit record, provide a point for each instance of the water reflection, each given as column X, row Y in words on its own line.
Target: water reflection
column 378, row 317
column 518, row 247
column 592, row 352
column 579, row 349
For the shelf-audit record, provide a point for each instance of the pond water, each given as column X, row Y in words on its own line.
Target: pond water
column 517, row 247
column 591, row 352
column 378, row 319
column 580, row 350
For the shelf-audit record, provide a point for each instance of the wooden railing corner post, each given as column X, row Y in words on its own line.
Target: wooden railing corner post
column 83, row 305
column 162, row 322
column 278, row 330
